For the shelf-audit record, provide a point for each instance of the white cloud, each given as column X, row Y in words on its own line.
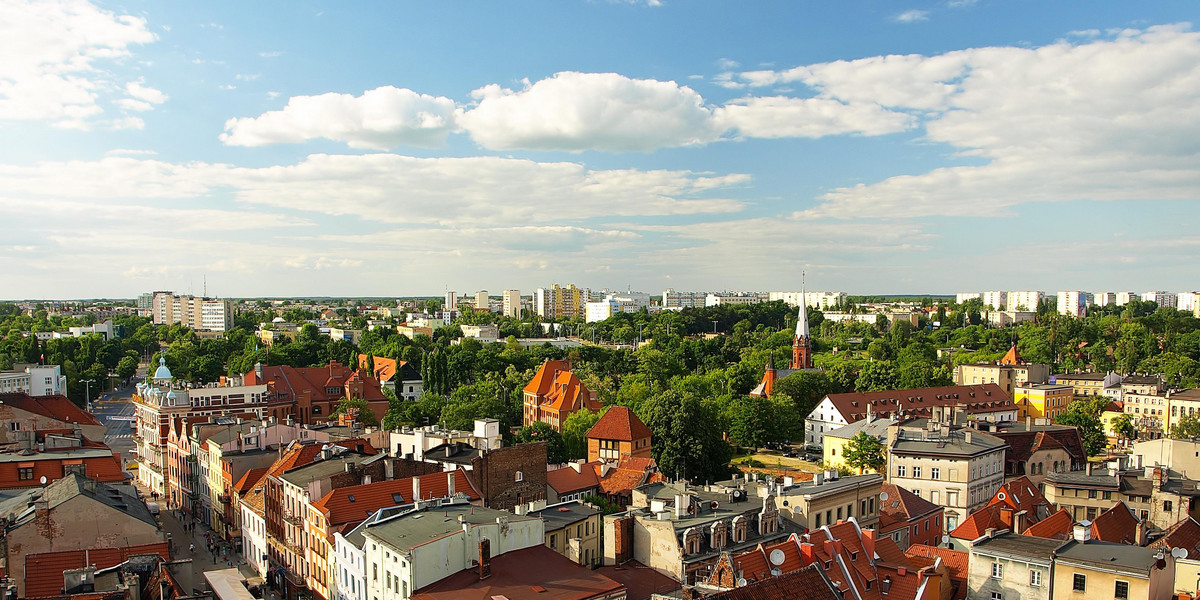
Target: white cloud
column 380, row 118
column 271, row 54
column 590, row 111
column 247, row 76
column 961, row 3
column 130, row 152
column 134, row 105
column 139, row 90
column 911, row 16
column 780, row 117
column 1105, row 119
column 51, row 50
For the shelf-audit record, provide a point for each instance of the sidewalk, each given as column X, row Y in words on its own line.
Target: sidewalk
column 201, row 558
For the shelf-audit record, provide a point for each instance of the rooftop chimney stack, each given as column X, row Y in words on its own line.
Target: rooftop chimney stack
column 485, row 558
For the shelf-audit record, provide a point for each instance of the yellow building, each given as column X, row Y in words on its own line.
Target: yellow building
column 412, row 331
column 1040, row 400
column 1091, row 569
column 573, row 530
column 1086, row 384
column 834, row 445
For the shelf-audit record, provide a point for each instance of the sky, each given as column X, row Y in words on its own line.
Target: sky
column 393, row 148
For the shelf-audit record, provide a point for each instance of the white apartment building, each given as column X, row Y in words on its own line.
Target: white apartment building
column 996, row 300
column 1187, row 301
column 348, row 567
column 197, row 312
column 821, row 300
column 1161, row 298
column 407, row 552
column 486, row 334
column 1104, row 298
column 725, row 299
column 512, row 304
column 35, row 380
column 1074, row 303
column 674, row 300
column 961, row 297
column 1025, row 300
column 451, row 300
column 1123, row 298
column 481, row 300
column 254, row 531
column 612, row 304
column 413, row 442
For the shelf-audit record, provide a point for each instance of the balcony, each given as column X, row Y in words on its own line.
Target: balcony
column 223, row 498
column 293, row 518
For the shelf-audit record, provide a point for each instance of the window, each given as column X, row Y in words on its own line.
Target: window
column 997, row 596
column 1122, row 590
column 1079, row 583
column 1167, row 505
column 25, row 473
column 1091, row 494
column 935, row 473
column 900, row 471
column 520, row 476
column 997, row 570
column 916, row 472
column 1035, row 578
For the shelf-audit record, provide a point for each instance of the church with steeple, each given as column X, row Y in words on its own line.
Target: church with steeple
column 802, row 357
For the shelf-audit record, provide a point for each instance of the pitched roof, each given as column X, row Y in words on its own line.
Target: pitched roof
column 291, row 382
column 44, row 572
column 1012, row 357
column 619, row 423
column 56, row 407
column 355, row 503
column 1021, row 494
column 555, row 577
column 543, row 380
column 1184, row 534
column 902, row 505
column 919, row 401
column 977, row 523
column 809, row 583
column 249, row 479
column 383, row 368
column 956, row 560
column 566, row 480
column 1117, row 524
column 1055, row 527
column 569, row 393
column 628, row 473
column 1024, row 442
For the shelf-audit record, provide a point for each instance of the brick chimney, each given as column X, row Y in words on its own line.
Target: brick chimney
column 485, row 558
column 868, row 543
column 808, row 552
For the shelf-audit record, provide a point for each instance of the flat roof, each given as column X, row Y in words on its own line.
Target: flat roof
column 407, row 531
column 1020, row 547
column 557, row 516
column 1132, row 560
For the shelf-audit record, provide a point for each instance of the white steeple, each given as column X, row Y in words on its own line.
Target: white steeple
column 802, row 321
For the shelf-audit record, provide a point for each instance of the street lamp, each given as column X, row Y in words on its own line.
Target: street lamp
column 87, row 392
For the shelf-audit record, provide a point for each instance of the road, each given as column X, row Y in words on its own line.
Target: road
column 115, row 410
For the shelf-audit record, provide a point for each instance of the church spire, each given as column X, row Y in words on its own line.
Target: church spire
column 802, row 343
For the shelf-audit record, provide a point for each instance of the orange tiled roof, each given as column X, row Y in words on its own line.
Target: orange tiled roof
column 1184, row 534
column 619, row 423
column 753, row 564
column 1117, row 525
column 566, row 480
column 384, row 368
column 1055, row 527
column 106, row 469
column 355, row 503
column 627, row 474
column 902, row 506
column 1012, row 357
column 956, row 560
column 1020, row 494
column 55, row 407
column 249, row 479
column 294, row 382
column 543, row 380
column 44, row 572
column 977, row 523
column 569, row 393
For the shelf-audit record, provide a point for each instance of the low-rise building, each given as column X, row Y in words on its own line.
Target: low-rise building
column 1084, row 568
column 486, row 334
column 34, row 380
column 825, row 499
column 1011, row 567
column 1042, row 400
column 554, row 394
column 1154, row 497
column 414, row 442
column 834, row 448
column 1090, row 384
column 907, row 518
column 573, row 530
column 1008, row 373
column 20, row 411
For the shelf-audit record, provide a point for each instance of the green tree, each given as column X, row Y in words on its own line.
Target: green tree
column 1187, row 428
column 863, row 452
column 1084, row 414
column 366, row 416
column 541, row 432
column 1123, row 426
column 751, row 423
column 574, row 432
column 127, row 367
column 877, row 375
column 687, row 436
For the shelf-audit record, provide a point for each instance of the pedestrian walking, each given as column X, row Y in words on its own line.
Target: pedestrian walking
column 192, row 548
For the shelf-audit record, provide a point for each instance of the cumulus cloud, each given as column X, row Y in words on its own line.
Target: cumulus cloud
column 381, row 118
column 590, row 111
column 51, row 53
column 780, row 117
column 911, row 16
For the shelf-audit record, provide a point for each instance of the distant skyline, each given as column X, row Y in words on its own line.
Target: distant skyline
column 284, row 149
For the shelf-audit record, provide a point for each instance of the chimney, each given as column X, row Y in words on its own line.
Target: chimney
column 868, row 543
column 989, row 533
column 1020, row 521
column 416, row 488
column 681, row 502
column 808, row 553
column 450, row 483
column 1006, row 517
column 1082, row 533
column 967, row 437
column 577, row 465
column 485, row 558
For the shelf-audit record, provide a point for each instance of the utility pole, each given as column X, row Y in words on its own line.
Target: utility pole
column 87, row 392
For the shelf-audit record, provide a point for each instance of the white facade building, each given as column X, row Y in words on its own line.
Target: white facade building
column 996, row 300
column 254, row 537
column 1074, row 303
column 512, row 304
column 673, row 300
column 1123, row 298
column 486, row 334
column 35, row 380
column 820, row 300
column 413, row 442
column 197, row 312
column 724, row 299
column 1104, row 298
column 407, row 552
column 1187, row 301
column 451, row 300
column 1025, row 300
column 961, row 297
column 1161, row 298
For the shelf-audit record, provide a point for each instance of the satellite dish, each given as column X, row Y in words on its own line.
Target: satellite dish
column 1178, row 553
column 945, row 539
column 777, row 557
column 43, row 480
column 741, row 581
column 1000, row 495
column 883, row 496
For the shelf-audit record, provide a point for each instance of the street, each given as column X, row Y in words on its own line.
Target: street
column 115, row 409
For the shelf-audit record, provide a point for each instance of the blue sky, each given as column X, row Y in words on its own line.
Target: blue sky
column 302, row 148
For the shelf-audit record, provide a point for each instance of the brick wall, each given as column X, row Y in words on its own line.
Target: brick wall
column 495, row 474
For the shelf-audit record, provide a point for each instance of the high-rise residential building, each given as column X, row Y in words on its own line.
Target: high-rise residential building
column 512, row 304
column 451, row 300
column 1104, row 298
column 734, row 298
column 1074, row 303
column 559, row 302
column 197, row 312
column 821, row 300
column 996, row 300
column 1161, row 298
column 1025, row 300
column 1123, row 298
column 481, row 300
column 1187, row 301
column 961, row 297
column 672, row 299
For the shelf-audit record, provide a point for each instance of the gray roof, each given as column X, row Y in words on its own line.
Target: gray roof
column 1132, row 560
column 1021, row 547
column 321, row 469
column 929, row 443
column 1100, row 478
column 71, row 486
column 841, row 484
column 557, row 516
column 875, row 426
column 407, row 531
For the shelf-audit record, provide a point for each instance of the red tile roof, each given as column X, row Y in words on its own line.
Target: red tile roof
column 44, row 572
column 1184, row 534
column 249, row 479
column 809, row 583
column 52, row 466
column 1021, row 494
column 384, row 368
column 1117, row 524
column 1055, row 527
column 956, row 560
column 54, row 407
column 902, row 506
column 554, row 577
column 977, row 523
column 543, row 380
column 294, row 382
column 919, row 402
column 355, row 503
column 627, row 474
column 639, row 580
column 1012, row 357
column 566, row 480
column 619, row 423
